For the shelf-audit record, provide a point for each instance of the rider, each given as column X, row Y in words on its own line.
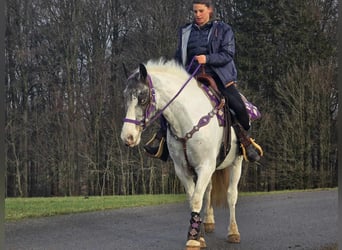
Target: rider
column 212, row 44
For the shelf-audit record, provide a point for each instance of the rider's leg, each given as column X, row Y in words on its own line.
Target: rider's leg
column 247, row 144
column 157, row 146
column 236, row 103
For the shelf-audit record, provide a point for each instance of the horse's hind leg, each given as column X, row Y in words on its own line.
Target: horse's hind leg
column 209, row 220
column 235, row 174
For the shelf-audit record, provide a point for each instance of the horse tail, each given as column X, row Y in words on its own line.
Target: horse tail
column 220, row 182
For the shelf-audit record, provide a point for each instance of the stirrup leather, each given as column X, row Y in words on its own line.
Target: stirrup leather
column 160, row 146
column 257, row 146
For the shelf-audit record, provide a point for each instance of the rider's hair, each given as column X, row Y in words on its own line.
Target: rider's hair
column 207, row 3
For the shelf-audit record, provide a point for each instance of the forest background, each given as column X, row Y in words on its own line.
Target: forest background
column 65, row 79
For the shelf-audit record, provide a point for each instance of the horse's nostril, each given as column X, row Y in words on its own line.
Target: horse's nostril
column 130, row 138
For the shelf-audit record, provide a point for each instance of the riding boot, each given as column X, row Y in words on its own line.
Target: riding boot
column 248, row 146
column 156, row 147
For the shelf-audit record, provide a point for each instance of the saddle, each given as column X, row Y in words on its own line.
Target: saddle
column 208, row 81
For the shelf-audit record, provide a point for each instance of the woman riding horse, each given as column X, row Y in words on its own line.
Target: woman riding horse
column 211, row 43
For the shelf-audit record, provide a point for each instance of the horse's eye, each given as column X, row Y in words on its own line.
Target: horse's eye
column 143, row 98
column 143, row 101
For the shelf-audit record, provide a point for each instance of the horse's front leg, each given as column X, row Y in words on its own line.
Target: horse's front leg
column 235, row 174
column 195, row 238
column 196, row 230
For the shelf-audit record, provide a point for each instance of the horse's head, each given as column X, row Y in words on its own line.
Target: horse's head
column 137, row 96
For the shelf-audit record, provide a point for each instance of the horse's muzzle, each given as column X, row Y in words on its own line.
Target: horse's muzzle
column 129, row 140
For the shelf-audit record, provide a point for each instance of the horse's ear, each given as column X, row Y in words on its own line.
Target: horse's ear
column 142, row 72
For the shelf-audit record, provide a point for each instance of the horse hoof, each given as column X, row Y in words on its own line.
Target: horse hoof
column 234, row 238
column 202, row 242
column 209, row 227
column 193, row 245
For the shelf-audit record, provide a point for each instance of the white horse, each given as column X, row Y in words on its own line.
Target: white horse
column 167, row 87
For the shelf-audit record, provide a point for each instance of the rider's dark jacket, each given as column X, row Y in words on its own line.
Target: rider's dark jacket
column 221, row 49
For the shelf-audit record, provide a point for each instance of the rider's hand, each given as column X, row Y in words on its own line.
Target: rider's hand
column 201, row 59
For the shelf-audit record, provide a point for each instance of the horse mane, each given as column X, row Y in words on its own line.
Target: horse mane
column 170, row 66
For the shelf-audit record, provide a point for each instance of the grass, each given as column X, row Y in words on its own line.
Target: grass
column 22, row 208
column 286, row 191
column 330, row 247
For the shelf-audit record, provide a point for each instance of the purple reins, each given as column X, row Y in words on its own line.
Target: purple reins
column 152, row 105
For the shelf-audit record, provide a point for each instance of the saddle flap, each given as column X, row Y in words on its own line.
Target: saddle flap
column 208, row 80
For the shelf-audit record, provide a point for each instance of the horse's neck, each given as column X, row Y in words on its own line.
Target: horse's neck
column 188, row 107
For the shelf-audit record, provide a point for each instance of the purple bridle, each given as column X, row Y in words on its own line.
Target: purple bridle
column 151, row 107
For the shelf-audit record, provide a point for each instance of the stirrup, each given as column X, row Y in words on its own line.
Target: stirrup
column 257, row 146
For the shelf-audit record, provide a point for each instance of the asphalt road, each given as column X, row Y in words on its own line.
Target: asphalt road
column 303, row 220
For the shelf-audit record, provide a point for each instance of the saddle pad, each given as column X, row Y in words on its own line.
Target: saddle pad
column 252, row 110
column 215, row 102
